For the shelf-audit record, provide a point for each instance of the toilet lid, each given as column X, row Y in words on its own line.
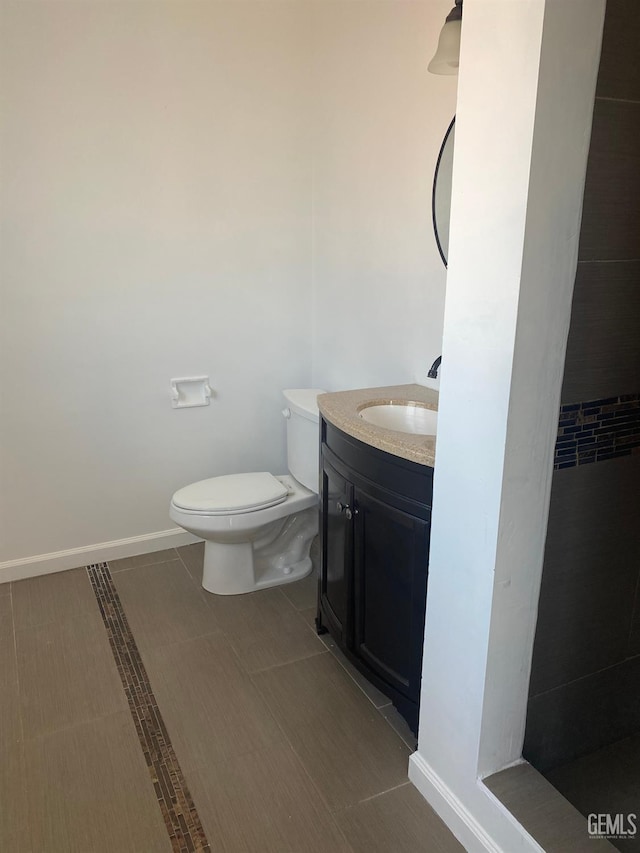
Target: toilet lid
column 232, row 493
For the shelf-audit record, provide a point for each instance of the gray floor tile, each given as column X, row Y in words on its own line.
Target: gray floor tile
column 10, row 724
column 265, row 802
column 142, row 560
column 309, row 615
column 554, row 823
column 400, row 821
column 264, row 628
column 302, row 594
column 14, row 834
column 346, row 747
column 606, row 781
column 90, row 790
column 6, row 620
column 399, row 725
column 375, row 696
column 51, row 598
column 211, row 708
column 12, row 788
column 16, row 842
column 163, row 605
column 193, row 556
column 67, row 674
column 267, row 756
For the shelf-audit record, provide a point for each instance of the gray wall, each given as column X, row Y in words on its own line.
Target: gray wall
column 585, row 680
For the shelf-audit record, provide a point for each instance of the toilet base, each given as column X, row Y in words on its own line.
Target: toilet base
column 280, row 555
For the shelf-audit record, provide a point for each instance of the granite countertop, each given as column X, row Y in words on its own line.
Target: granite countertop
column 341, row 408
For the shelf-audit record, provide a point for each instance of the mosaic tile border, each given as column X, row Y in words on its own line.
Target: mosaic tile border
column 179, row 813
column 598, row 430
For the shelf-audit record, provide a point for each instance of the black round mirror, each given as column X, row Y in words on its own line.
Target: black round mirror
column 441, row 195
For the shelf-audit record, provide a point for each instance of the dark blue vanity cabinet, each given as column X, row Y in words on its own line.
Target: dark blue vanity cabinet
column 375, row 521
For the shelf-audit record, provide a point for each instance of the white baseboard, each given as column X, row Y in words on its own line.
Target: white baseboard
column 60, row 561
column 447, row 805
column 464, row 825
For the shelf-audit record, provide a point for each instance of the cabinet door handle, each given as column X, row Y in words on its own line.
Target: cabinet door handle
column 346, row 509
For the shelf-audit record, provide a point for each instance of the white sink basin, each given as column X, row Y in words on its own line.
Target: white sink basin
column 414, row 418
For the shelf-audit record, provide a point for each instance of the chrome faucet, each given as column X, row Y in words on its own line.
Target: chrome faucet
column 433, row 370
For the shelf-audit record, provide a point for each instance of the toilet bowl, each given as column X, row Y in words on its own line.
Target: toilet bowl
column 258, row 527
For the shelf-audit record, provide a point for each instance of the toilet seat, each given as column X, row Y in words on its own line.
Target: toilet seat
column 232, row 494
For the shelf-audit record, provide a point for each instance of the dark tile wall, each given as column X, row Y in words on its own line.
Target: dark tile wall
column 585, row 679
column 591, row 565
column 583, row 716
column 603, row 349
column 619, row 72
column 611, row 208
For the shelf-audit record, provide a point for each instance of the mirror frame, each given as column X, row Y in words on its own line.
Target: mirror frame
column 433, row 191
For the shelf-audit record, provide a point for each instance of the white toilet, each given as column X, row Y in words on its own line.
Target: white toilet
column 258, row 528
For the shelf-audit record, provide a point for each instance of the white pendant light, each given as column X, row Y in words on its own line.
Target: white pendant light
column 447, row 56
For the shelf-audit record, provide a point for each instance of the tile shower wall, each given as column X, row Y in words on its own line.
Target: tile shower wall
column 598, row 430
column 585, row 679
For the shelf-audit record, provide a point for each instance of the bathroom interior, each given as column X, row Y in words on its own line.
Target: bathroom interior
column 243, row 192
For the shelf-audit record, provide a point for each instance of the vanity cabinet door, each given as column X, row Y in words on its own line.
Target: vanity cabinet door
column 336, row 495
column 390, row 579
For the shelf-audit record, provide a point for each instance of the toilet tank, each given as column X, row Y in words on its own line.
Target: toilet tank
column 303, row 441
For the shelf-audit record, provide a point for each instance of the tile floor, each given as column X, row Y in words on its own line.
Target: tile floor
column 283, row 746
column 605, row 781
column 554, row 807
column 553, row 821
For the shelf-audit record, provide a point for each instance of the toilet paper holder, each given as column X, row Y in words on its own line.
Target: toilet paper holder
column 190, row 391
